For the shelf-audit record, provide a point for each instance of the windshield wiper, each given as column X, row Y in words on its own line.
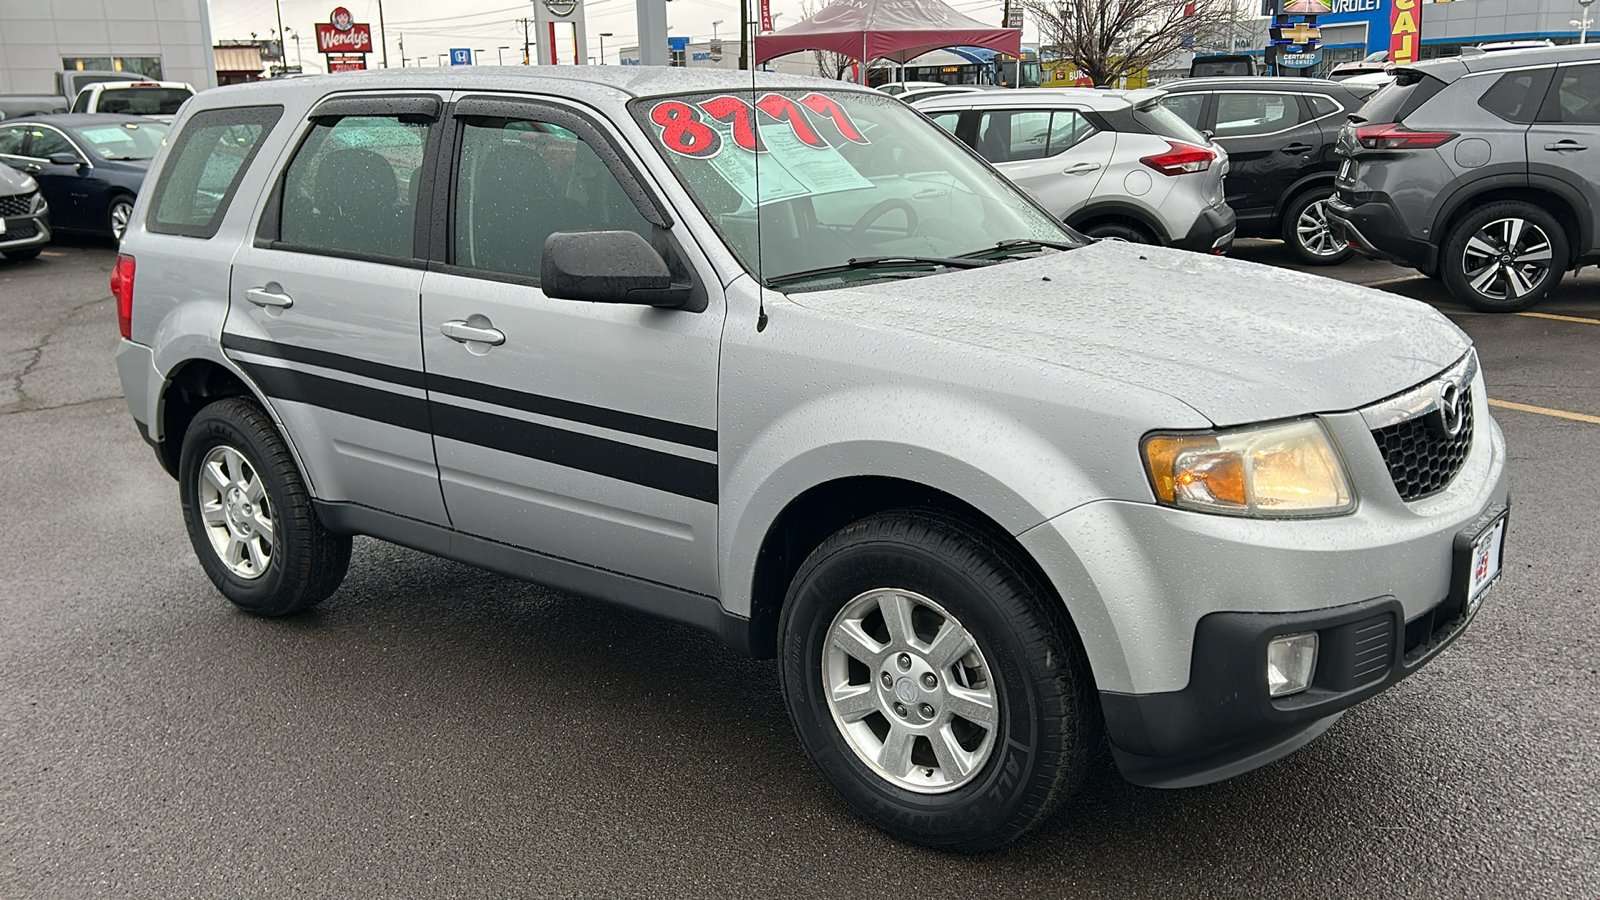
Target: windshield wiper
column 883, row 262
column 1020, row 243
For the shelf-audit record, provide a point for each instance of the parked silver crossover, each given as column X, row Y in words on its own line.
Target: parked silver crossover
column 795, row 366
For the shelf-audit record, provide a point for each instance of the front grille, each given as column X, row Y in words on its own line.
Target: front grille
column 1422, row 458
column 17, row 231
column 16, row 204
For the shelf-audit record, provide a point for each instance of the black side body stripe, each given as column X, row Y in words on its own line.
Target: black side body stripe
column 341, row 396
column 640, row 465
column 291, row 353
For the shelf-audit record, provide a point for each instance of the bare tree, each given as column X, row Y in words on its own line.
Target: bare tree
column 829, row 64
column 1110, row 39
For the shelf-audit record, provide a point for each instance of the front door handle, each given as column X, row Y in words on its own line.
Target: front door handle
column 1082, row 168
column 264, row 297
column 457, row 330
column 1565, row 146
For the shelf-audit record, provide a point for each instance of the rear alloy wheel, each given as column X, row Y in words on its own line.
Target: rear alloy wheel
column 1310, row 235
column 1116, row 231
column 931, row 682
column 1505, row 257
column 120, row 215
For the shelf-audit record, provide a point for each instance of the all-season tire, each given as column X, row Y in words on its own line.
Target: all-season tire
column 1307, row 232
column 1504, row 257
column 1119, row 232
column 22, row 255
column 118, row 214
column 249, row 515
column 1044, row 723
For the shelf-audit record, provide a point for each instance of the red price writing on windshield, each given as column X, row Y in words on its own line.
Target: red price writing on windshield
column 685, row 132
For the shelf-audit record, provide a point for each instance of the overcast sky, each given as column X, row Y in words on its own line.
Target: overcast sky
column 432, row 27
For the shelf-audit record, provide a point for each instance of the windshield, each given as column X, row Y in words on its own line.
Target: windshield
column 826, row 178
column 125, row 140
column 142, row 101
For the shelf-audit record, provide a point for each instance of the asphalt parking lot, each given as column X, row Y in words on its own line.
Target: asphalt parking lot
column 436, row 731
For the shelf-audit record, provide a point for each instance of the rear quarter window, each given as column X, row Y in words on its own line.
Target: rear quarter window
column 208, row 159
column 1396, row 101
column 1516, row 96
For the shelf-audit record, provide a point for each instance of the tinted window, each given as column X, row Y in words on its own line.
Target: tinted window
column 946, row 120
column 521, row 181
column 47, row 141
column 1322, row 106
column 1240, row 113
column 1160, row 120
column 123, row 140
column 1186, row 107
column 352, row 186
column 11, row 139
column 1067, row 129
column 82, row 103
column 202, row 171
column 1394, row 102
column 1517, row 95
column 1577, row 97
column 142, row 101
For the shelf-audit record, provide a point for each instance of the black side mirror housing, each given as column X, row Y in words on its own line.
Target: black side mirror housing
column 65, row 159
column 608, row 267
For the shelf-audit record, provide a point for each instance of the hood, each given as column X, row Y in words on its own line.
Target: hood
column 13, row 182
column 1237, row 341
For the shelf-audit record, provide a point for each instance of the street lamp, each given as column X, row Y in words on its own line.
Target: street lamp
column 714, row 28
column 1586, row 23
column 477, row 57
column 775, row 18
column 603, row 36
column 299, row 63
column 499, row 56
column 441, row 58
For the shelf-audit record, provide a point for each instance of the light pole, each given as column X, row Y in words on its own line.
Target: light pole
column 1586, row 23
column 603, row 36
column 714, row 28
column 775, row 18
column 477, row 57
column 500, row 56
column 298, row 62
column 441, row 58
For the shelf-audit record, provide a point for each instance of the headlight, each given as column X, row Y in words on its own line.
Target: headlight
column 1271, row 471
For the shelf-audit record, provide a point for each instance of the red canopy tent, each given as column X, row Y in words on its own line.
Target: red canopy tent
column 886, row 29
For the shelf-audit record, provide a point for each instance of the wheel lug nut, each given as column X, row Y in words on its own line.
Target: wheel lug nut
column 904, row 661
column 929, row 682
column 900, row 710
column 888, row 680
column 927, row 711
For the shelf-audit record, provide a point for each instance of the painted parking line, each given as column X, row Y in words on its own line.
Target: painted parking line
column 1532, row 315
column 55, row 253
column 1558, row 413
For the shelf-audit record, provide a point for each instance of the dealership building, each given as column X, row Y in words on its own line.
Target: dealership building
column 1359, row 27
column 167, row 39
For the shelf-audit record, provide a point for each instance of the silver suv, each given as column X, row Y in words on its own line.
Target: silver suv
column 796, row 367
column 1111, row 164
column 1483, row 171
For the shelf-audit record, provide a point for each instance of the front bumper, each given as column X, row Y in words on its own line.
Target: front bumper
column 1376, row 231
column 25, row 232
column 1225, row 723
column 1213, row 231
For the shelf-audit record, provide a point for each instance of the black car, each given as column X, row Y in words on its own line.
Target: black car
column 89, row 167
column 1280, row 135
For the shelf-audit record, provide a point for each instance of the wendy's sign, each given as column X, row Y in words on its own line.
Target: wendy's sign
column 342, row 34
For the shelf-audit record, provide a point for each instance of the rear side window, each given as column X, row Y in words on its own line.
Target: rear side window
column 522, row 180
column 1396, row 101
column 1187, row 107
column 353, row 186
column 1157, row 119
column 1576, row 100
column 11, row 138
column 946, row 120
column 82, row 103
column 1322, row 106
column 1068, row 129
column 204, row 167
column 1517, row 95
column 1241, row 113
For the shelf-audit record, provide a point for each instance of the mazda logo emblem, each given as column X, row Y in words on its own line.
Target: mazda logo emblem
column 1451, row 415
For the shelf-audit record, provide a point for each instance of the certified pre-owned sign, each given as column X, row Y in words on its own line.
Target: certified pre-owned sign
column 343, row 34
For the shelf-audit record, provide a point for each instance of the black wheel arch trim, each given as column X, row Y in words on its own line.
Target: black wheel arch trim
column 1323, row 178
column 1116, row 208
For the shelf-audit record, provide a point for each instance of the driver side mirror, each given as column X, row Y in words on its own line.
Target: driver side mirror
column 608, row 267
column 65, row 159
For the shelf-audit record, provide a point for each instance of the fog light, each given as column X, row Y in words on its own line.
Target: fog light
column 1290, row 661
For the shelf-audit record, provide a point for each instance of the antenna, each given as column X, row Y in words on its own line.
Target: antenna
column 761, row 268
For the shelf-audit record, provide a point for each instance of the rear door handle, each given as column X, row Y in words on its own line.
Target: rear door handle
column 1295, row 149
column 264, row 297
column 1562, row 146
column 457, row 330
column 1082, row 168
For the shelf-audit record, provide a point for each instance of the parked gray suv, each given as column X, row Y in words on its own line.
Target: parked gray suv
column 796, row 367
column 1483, row 171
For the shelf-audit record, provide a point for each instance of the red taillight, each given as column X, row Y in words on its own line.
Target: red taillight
column 1399, row 137
column 1181, row 159
column 122, row 289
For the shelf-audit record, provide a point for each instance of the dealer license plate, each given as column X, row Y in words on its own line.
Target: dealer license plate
column 1347, row 172
column 1485, row 561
